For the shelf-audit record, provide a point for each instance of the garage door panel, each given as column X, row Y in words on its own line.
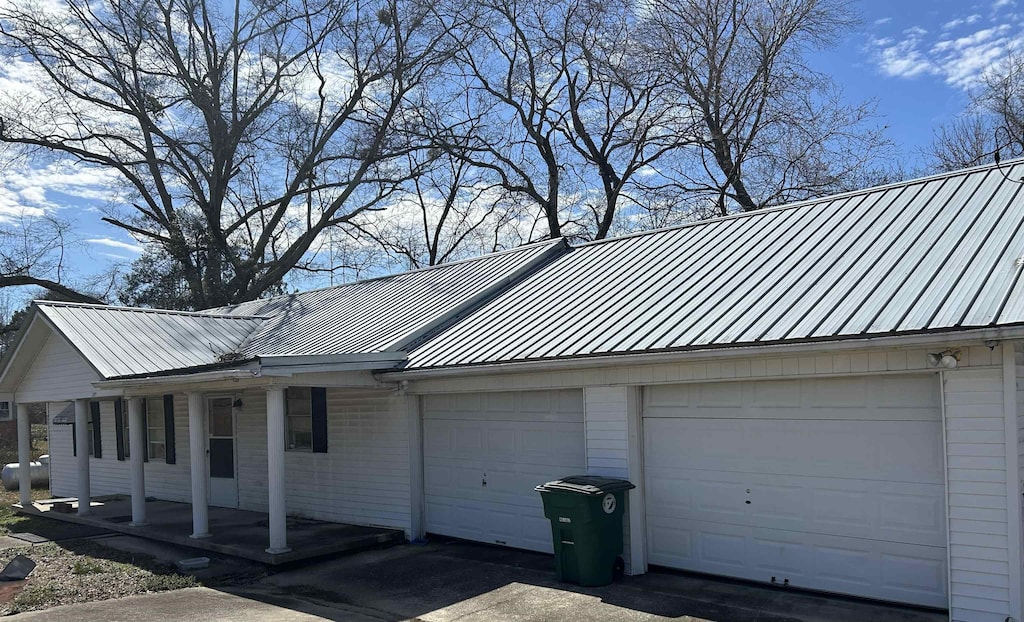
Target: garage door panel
column 556, row 406
column 875, row 398
column 846, row 495
column 907, row 573
column 507, row 482
column 481, row 467
column 890, row 451
column 913, row 514
column 843, row 507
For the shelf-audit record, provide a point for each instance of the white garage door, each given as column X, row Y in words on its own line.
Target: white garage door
column 830, row 484
column 484, row 453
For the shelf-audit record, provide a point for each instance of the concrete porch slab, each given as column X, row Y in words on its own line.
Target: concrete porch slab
column 237, row 533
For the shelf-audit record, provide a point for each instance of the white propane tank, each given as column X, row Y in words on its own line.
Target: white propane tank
column 40, row 473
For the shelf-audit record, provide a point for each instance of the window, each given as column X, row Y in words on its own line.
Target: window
column 123, row 438
column 95, row 429
column 306, row 421
column 156, row 430
column 299, row 425
column 5, row 411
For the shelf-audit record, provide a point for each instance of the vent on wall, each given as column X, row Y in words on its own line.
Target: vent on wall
column 5, row 411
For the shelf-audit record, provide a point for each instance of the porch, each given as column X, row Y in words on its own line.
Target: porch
column 238, row 533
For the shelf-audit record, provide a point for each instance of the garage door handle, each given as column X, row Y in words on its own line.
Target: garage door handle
column 747, row 502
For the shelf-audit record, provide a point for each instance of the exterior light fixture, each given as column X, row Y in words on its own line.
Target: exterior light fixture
column 947, row 358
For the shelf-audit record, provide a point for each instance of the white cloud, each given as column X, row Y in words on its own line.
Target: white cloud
column 882, row 20
column 961, row 21
column 998, row 4
column 903, row 58
column 958, row 55
column 111, row 243
column 28, row 190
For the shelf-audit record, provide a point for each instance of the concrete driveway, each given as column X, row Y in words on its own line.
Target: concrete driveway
column 444, row 582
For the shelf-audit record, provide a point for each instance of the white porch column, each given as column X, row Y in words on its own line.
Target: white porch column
column 82, row 455
column 275, row 471
column 24, row 455
column 197, row 455
column 136, row 444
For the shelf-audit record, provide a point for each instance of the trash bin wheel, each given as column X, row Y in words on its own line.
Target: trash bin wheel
column 618, row 568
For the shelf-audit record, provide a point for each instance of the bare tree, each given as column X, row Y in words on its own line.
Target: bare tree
column 451, row 211
column 241, row 132
column 619, row 112
column 504, row 119
column 33, row 253
column 773, row 129
column 968, row 140
column 558, row 106
column 992, row 123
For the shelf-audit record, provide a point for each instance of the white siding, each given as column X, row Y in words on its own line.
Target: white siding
column 57, row 373
column 976, row 472
column 612, row 422
column 1019, row 373
column 822, row 364
column 363, row 478
column 107, row 474
column 606, row 424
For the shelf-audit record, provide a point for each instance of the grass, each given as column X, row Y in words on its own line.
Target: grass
column 76, row 571
column 87, row 566
column 10, row 522
column 85, row 570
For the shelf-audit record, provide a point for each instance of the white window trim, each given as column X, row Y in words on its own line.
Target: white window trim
column 150, row 427
column 288, row 417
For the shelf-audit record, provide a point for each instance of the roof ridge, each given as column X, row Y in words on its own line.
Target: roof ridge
column 548, row 241
column 226, row 316
column 813, row 201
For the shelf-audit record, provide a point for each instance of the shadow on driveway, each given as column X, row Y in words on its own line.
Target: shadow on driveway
column 447, row 581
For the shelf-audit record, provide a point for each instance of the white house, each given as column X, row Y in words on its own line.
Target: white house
column 823, row 395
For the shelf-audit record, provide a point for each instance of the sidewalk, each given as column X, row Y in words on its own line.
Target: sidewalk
column 193, row 604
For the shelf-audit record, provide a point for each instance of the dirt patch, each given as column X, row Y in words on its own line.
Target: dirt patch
column 85, row 570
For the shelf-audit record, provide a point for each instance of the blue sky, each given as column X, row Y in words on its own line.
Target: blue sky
column 916, row 58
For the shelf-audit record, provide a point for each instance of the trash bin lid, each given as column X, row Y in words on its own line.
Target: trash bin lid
column 586, row 485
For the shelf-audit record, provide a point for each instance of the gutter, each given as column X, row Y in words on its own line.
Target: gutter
column 265, row 367
column 983, row 336
column 293, row 360
column 207, row 376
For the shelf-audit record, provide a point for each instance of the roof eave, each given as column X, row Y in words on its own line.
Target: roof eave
column 35, row 314
column 135, row 382
column 919, row 339
column 12, row 352
column 292, row 365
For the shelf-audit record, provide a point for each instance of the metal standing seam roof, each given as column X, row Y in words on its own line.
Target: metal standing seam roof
column 925, row 255
column 382, row 314
column 121, row 341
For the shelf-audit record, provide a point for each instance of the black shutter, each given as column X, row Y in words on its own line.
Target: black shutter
column 318, row 396
column 97, row 436
column 169, row 427
column 119, row 427
column 74, row 439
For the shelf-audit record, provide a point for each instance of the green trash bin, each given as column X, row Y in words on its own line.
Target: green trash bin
column 586, row 527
